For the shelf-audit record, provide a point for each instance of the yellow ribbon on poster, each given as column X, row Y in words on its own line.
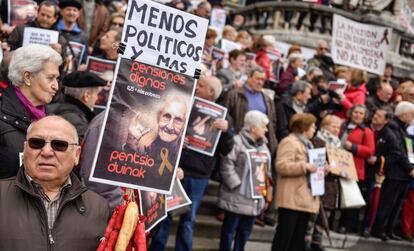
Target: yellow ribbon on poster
column 165, row 162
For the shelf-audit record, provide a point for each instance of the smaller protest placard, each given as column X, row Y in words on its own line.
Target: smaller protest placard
column 259, row 164
column 338, row 86
column 317, row 157
column 39, row 36
column 235, row 3
column 202, row 136
column 341, row 163
column 104, row 69
column 74, row 56
column 410, row 152
column 250, row 56
column 228, row 46
column 218, row 20
column 178, row 197
column 154, row 208
column 21, row 11
column 217, row 54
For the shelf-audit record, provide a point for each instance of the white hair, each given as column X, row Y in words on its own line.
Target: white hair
column 215, row 84
column 403, row 107
column 78, row 92
column 254, row 119
column 31, row 58
column 294, row 56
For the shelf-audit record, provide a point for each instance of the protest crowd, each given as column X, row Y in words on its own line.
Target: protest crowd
column 306, row 146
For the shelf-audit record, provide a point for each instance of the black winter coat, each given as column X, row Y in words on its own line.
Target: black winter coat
column 79, row 225
column 13, row 126
column 391, row 145
column 77, row 113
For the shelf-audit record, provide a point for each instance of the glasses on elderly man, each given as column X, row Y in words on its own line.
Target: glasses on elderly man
column 56, row 144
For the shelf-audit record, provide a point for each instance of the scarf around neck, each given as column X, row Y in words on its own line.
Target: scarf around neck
column 329, row 138
column 34, row 112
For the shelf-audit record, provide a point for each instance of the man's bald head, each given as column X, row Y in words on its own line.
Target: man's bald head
column 55, row 120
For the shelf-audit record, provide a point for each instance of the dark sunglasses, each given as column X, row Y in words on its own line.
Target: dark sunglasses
column 56, row 144
column 117, row 24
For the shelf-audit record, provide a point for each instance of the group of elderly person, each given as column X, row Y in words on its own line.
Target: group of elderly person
column 52, row 142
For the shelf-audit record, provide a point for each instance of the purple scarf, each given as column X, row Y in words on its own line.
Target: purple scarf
column 34, row 112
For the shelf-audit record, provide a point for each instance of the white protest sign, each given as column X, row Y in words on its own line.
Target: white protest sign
column 39, row 36
column 162, row 36
column 218, row 20
column 317, row 156
column 360, row 45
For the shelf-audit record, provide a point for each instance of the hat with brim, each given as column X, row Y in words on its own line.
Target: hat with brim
column 70, row 3
column 80, row 79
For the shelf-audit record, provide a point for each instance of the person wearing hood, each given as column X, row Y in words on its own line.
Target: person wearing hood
column 235, row 194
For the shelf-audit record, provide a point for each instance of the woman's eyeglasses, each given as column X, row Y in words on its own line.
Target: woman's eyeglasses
column 56, row 144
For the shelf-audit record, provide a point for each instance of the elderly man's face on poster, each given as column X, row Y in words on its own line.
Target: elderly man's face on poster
column 171, row 120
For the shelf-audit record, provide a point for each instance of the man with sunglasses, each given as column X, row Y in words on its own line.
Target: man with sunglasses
column 45, row 206
column 323, row 61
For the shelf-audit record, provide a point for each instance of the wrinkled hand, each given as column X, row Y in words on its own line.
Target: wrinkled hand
column 328, row 168
column 82, row 67
column 372, row 159
column 311, row 168
column 180, row 173
column 221, row 124
column 325, row 98
column 348, row 145
column 136, row 131
column 199, row 125
column 238, row 84
column 8, row 29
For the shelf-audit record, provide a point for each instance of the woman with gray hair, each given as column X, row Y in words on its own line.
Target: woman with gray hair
column 235, row 196
column 33, row 72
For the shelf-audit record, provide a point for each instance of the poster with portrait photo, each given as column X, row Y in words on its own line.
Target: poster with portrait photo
column 259, row 164
column 154, row 208
column 178, row 197
column 21, row 11
column 201, row 135
column 105, row 69
column 143, row 132
column 74, row 55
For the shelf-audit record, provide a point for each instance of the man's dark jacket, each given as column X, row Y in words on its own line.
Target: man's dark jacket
column 77, row 113
column 237, row 105
column 13, row 126
column 391, row 145
column 79, row 224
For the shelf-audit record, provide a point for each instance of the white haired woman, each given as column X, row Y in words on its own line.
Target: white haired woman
column 235, row 196
column 33, row 72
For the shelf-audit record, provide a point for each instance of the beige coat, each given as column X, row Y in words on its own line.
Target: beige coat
column 293, row 191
